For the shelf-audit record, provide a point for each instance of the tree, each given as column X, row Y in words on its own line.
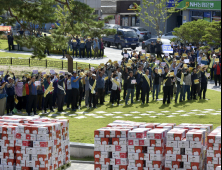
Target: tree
column 213, row 34
column 154, row 13
column 77, row 19
column 191, row 32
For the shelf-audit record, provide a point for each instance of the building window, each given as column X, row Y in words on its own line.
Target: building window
column 216, row 16
column 197, row 15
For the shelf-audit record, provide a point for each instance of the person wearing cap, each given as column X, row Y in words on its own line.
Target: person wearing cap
column 61, row 93
column 75, row 90
column 74, row 47
column 92, row 91
column 116, row 88
column 217, row 72
column 78, row 44
column 203, row 83
column 32, row 96
column 96, row 48
column 89, row 48
column 139, row 81
column 49, row 97
column 82, row 48
column 146, row 87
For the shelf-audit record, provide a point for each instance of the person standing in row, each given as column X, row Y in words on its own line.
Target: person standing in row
column 3, row 96
column 75, row 90
column 87, row 89
column 48, row 94
column 32, row 96
column 217, row 73
column 130, row 87
column 203, row 83
column 69, row 91
column 10, row 90
column 96, row 48
column 82, row 49
column 101, row 87
column 146, row 86
column 116, row 88
column 101, row 54
column 74, row 47
column 89, row 48
column 125, row 77
column 92, row 91
column 166, row 85
column 61, row 93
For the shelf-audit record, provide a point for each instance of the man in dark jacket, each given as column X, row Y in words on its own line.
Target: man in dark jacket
column 146, row 87
column 61, row 93
column 74, row 47
column 194, row 84
column 92, row 91
column 156, row 83
column 49, row 97
column 203, row 83
column 166, row 85
column 131, row 81
column 125, row 76
column 10, row 90
column 152, row 49
column 180, row 84
column 89, row 47
column 158, row 49
column 139, row 81
column 10, row 41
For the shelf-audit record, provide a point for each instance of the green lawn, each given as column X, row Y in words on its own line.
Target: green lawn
column 82, row 130
column 82, row 159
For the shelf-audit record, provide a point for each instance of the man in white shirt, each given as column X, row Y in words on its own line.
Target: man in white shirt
column 116, row 88
column 199, row 58
column 69, row 91
column 119, row 74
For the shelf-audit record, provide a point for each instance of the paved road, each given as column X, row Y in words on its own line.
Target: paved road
column 111, row 53
column 77, row 166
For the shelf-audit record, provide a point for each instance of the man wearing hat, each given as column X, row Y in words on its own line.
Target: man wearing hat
column 75, row 90
column 61, row 93
column 92, row 91
column 217, row 72
column 89, row 48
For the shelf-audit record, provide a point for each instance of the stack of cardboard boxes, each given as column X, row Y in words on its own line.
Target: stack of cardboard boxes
column 214, row 150
column 32, row 143
column 154, row 146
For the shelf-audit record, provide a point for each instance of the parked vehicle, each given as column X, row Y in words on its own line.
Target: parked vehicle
column 112, row 26
column 166, row 45
column 169, row 35
column 140, row 31
column 125, row 38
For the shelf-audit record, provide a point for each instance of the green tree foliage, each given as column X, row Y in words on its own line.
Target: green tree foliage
column 154, row 13
column 213, row 34
column 191, row 32
column 75, row 18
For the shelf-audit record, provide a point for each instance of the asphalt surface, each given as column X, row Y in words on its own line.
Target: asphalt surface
column 80, row 166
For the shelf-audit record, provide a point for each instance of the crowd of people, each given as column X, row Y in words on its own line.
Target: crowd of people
column 185, row 75
column 80, row 47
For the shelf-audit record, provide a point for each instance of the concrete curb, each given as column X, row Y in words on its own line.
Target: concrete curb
column 81, row 150
column 82, row 162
